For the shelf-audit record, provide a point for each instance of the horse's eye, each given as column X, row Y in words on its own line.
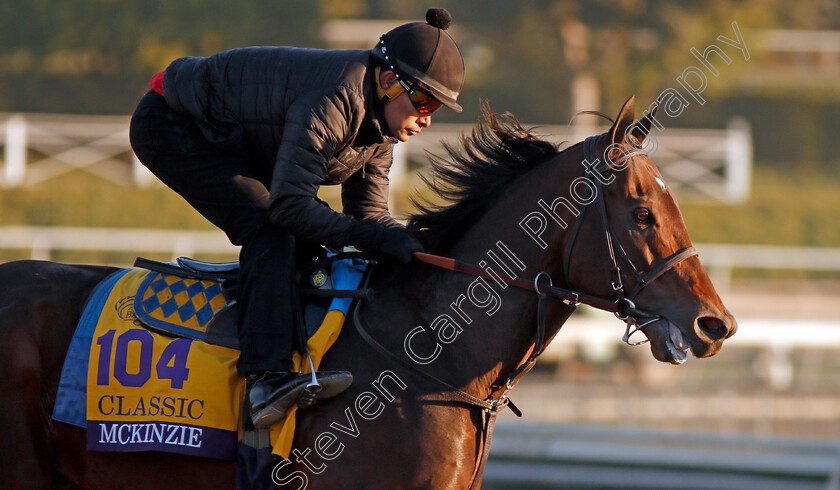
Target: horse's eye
column 642, row 215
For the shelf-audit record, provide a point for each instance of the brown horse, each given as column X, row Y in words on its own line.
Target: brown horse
column 517, row 207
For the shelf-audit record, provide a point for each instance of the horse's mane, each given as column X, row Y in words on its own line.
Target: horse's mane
column 474, row 172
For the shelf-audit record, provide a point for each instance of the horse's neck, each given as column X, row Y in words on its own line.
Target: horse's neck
column 469, row 331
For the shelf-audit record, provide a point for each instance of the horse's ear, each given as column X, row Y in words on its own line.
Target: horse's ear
column 618, row 131
column 642, row 128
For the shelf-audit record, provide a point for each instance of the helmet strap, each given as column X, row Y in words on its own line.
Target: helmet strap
column 392, row 92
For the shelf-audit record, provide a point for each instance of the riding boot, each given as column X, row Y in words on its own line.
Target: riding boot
column 270, row 394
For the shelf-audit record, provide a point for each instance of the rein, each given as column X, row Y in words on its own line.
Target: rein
column 622, row 306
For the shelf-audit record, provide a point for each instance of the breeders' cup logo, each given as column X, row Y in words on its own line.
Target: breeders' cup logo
column 125, row 309
column 318, row 278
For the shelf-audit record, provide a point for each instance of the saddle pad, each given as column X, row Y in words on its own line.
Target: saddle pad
column 134, row 389
column 147, row 391
column 181, row 306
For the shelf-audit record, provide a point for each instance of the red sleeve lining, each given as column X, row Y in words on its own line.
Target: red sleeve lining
column 157, row 83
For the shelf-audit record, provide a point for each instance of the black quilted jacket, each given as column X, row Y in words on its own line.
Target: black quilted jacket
column 305, row 117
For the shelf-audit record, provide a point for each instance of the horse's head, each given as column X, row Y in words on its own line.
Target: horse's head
column 637, row 217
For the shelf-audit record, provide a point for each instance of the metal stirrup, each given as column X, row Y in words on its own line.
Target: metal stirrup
column 309, row 395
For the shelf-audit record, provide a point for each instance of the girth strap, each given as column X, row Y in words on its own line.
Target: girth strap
column 489, row 424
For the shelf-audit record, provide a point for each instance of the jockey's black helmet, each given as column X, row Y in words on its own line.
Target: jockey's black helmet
column 424, row 54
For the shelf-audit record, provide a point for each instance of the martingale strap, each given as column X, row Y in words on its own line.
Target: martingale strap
column 490, row 408
column 459, row 396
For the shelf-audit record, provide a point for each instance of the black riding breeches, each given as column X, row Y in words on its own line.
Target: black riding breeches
column 225, row 189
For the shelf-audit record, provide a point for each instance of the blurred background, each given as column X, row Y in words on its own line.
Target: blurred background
column 751, row 157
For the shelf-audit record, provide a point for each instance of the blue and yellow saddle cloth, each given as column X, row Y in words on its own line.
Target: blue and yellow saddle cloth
column 179, row 305
column 134, row 389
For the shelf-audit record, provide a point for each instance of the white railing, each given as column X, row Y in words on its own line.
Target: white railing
column 697, row 163
column 720, row 259
column 95, row 144
column 596, row 337
column 43, row 241
column 540, row 455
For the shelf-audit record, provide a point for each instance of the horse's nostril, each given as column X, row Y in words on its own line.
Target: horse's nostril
column 714, row 328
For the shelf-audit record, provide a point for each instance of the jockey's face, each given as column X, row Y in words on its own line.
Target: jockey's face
column 402, row 118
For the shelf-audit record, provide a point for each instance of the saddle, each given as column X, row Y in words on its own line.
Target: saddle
column 197, row 300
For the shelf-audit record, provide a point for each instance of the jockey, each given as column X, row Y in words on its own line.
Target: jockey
column 247, row 136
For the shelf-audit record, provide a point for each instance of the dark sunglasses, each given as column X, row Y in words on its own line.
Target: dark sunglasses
column 422, row 102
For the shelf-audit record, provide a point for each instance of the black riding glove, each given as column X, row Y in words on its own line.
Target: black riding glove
column 399, row 244
column 388, row 243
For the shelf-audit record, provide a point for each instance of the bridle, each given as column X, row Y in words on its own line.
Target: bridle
column 625, row 308
column 622, row 306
